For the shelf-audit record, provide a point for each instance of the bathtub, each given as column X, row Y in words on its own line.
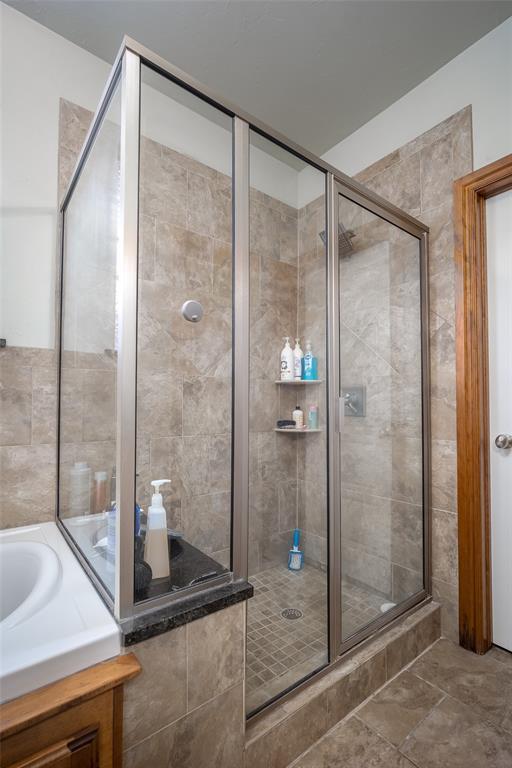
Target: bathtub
column 52, row 620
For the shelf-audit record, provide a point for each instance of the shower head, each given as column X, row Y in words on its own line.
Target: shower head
column 345, row 237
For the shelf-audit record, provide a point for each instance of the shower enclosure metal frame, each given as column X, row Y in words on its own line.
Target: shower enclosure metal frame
column 126, row 71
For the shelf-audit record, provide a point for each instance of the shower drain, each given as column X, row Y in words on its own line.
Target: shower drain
column 291, row 613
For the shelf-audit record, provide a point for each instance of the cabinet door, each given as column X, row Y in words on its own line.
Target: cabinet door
column 79, row 751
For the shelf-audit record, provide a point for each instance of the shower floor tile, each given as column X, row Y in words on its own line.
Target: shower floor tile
column 281, row 651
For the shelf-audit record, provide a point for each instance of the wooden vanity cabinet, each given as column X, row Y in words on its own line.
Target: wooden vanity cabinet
column 73, row 723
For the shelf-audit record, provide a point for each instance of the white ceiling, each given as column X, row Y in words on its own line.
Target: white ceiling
column 316, row 70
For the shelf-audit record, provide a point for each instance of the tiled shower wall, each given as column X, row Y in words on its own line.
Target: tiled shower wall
column 288, row 473
column 273, row 456
column 184, row 369
column 312, row 449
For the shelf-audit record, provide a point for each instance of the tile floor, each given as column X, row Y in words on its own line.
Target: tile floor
column 281, row 651
column 448, row 709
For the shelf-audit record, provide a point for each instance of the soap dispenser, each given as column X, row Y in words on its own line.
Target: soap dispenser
column 156, row 549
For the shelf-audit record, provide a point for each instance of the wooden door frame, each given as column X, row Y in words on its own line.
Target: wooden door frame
column 473, row 448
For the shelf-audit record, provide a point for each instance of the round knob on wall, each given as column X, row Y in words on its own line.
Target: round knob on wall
column 503, row 441
column 192, row 311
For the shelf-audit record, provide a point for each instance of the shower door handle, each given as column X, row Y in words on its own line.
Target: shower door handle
column 340, row 414
column 503, row 441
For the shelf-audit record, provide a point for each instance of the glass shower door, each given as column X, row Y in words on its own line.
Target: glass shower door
column 381, row 419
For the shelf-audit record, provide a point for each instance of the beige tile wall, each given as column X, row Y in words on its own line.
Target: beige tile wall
column 312, row 449
column 28, row 407
column 184, row 369
column 186, row 708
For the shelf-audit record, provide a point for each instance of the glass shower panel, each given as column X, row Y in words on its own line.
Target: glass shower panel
column 88, row 371
column 287, row 622
column 381, row 429
column 184, row 351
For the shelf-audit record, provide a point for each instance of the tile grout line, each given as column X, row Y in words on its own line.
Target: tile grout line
column 449, row 695
column 436, row 705
column 459, row 701
column 184, row 716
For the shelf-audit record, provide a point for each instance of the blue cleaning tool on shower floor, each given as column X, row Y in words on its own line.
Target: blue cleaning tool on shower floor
column 295, row 556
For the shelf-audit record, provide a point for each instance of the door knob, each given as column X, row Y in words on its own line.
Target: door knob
column 503, row 441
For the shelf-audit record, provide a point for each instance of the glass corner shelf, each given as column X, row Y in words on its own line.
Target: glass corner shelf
column 298, row 382
column 293, row 431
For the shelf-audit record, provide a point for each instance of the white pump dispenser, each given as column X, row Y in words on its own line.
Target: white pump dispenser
column 156, row 548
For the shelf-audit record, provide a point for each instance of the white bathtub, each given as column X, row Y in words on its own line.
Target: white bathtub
column 52, row 621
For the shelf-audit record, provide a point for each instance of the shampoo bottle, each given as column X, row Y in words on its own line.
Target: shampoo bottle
column 298, row 355
column 310, row 364
column 156, row 549
column 287, row 361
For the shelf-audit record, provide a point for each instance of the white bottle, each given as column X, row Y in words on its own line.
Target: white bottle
column 298, row 418
column 287, row 361
column 156, row 548
column 80, row 490
column 298, row 354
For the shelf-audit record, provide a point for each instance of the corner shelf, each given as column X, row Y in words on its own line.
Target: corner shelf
column 294, row 431
column 298, row 382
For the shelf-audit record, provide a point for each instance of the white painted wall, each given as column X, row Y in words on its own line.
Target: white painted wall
column 38, row 67
column 481, row 76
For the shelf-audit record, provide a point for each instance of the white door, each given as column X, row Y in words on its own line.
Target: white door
column 499, row 275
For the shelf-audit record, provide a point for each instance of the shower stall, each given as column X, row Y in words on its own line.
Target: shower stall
column 194, row 239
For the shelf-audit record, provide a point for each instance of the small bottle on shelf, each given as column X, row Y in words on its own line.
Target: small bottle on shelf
column 310, row 364
column 298, row 418
column 287, row 361
column 298, row 356
column 313, row 417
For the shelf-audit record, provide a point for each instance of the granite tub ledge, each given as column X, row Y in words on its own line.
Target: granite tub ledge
column 176, row 614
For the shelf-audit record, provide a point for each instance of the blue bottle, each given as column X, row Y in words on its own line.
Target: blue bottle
column 310, row 363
